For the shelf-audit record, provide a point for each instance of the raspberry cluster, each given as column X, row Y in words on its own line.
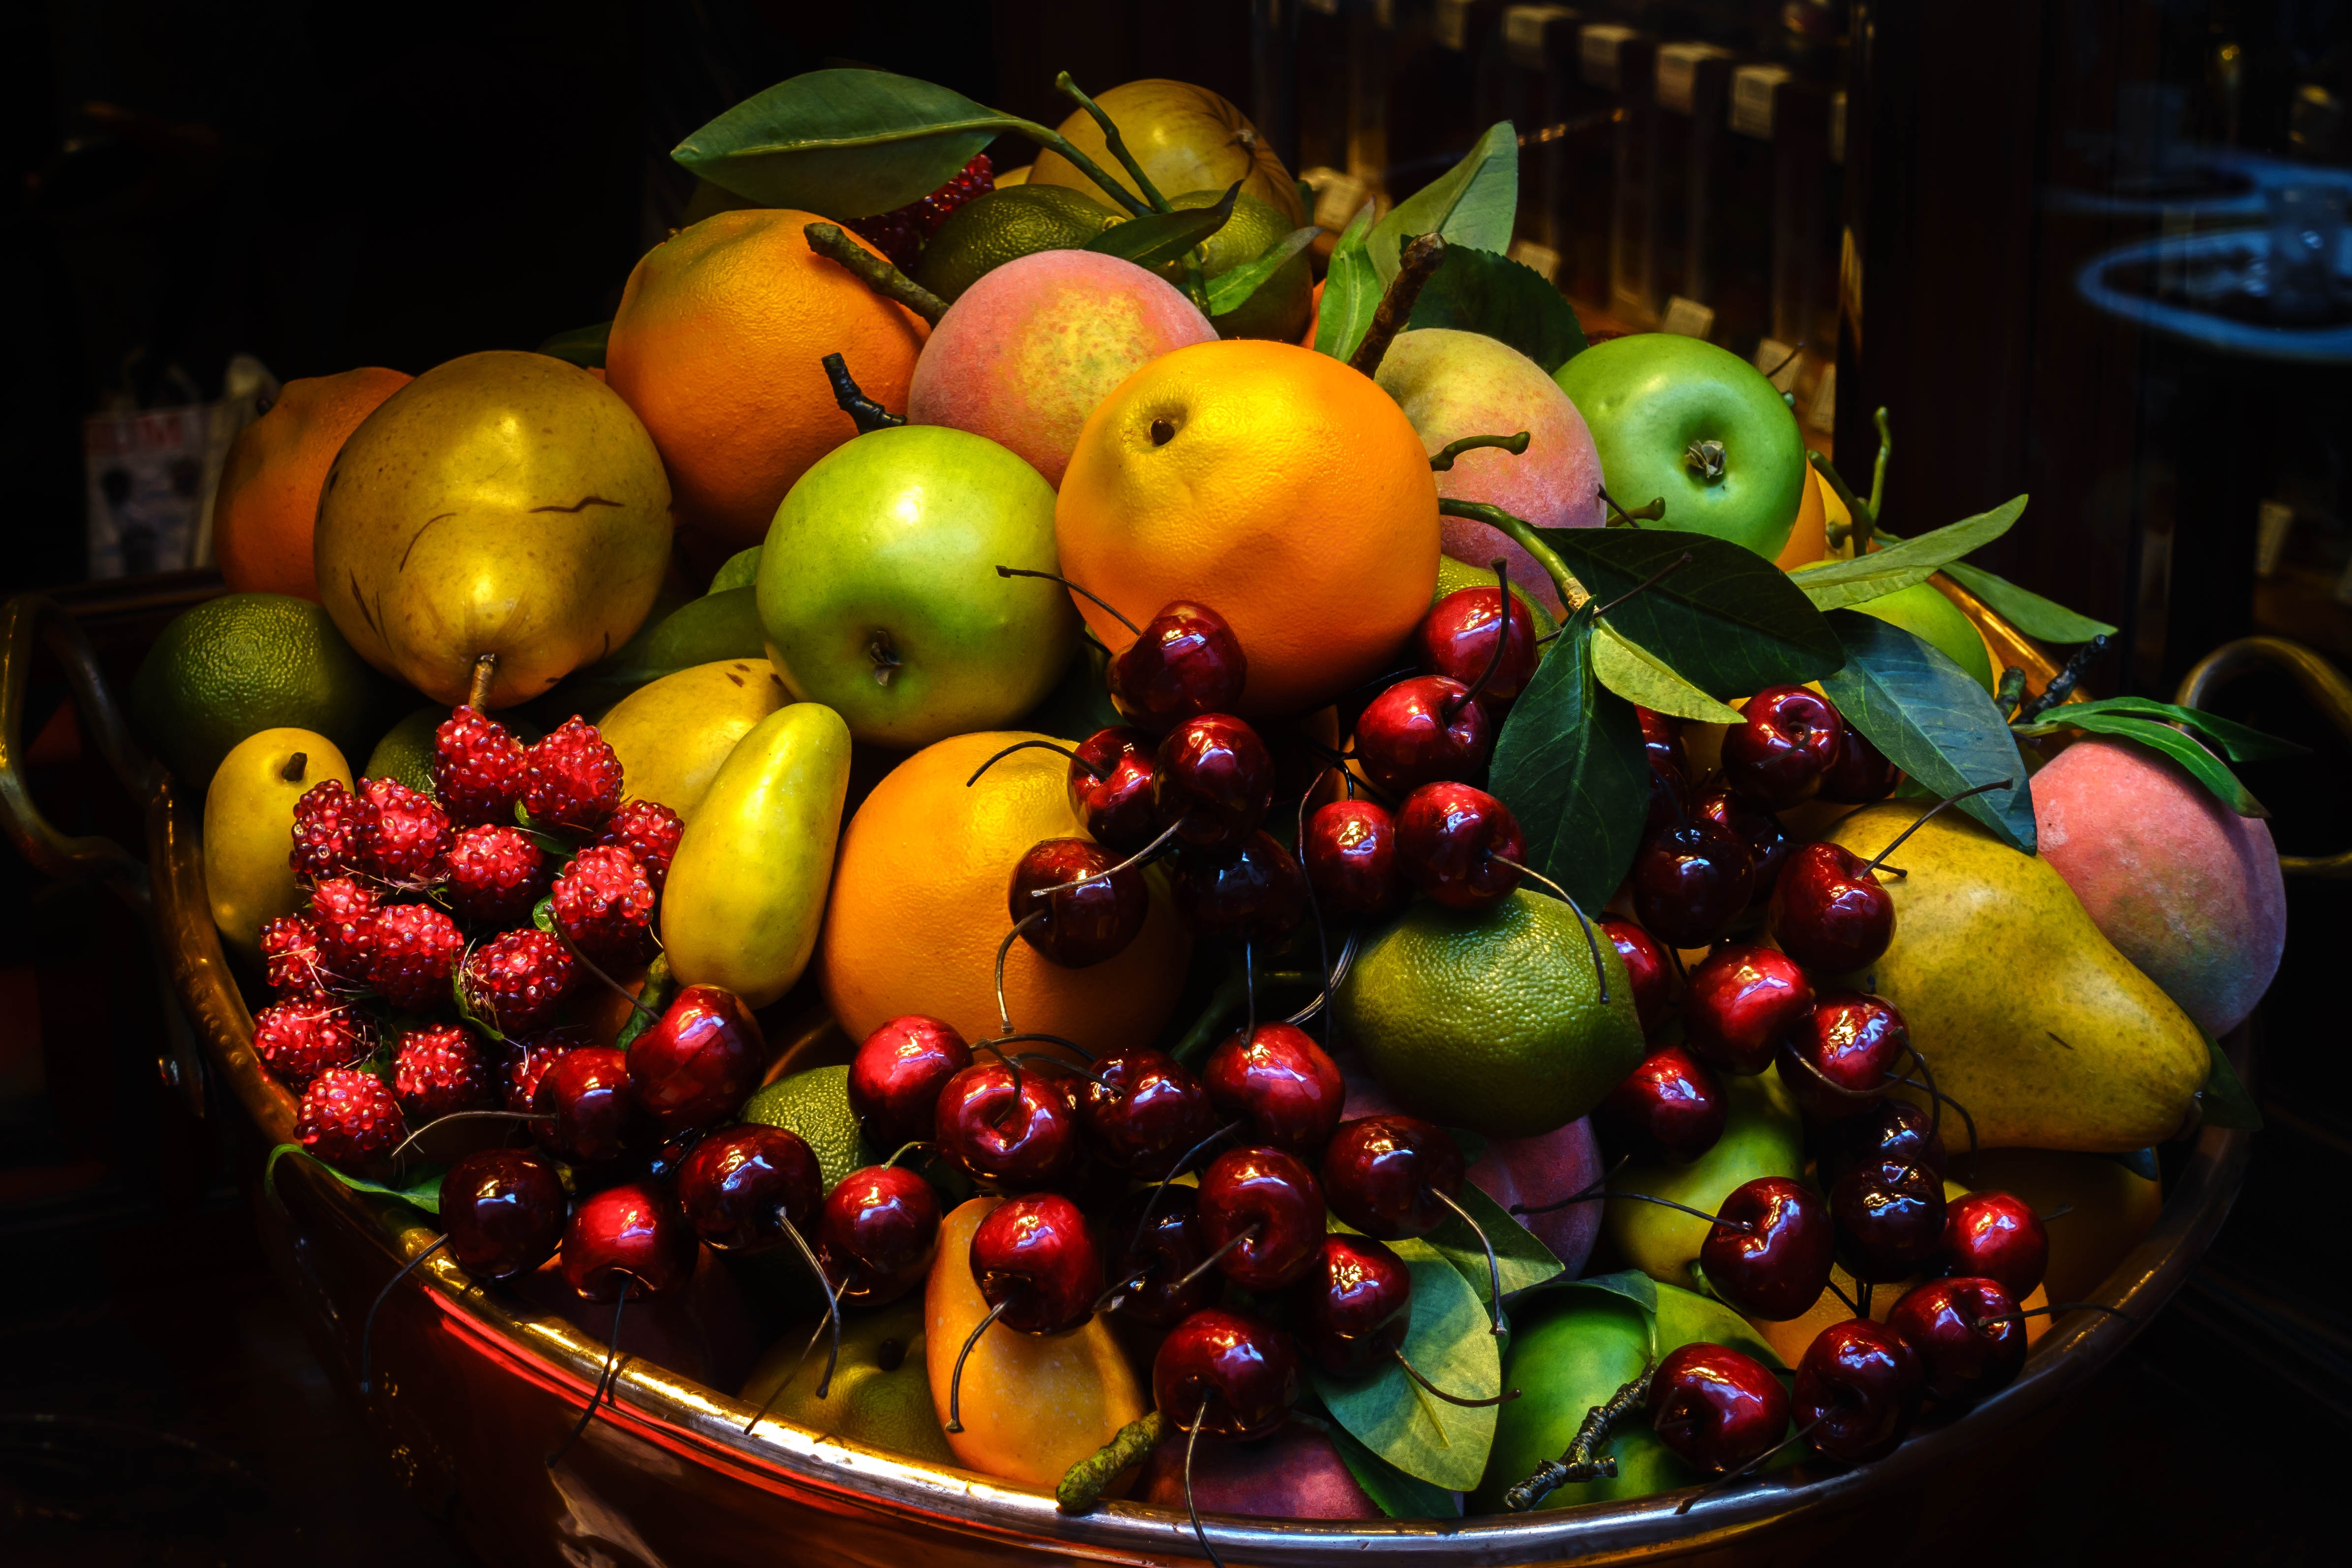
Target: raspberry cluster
column 901, row 233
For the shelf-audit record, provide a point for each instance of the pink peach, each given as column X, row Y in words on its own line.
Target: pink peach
column 1295, row 1474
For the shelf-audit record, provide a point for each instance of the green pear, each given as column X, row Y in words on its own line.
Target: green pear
column 881, row 1389
column 1927, row 614
column 1763, row 1136
column 2026, row 1013
column 502, row 503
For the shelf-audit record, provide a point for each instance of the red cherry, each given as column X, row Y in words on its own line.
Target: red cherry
column 1967, row 1334
column 1228, row 1373
column 1351, row 861
column 1083, row 917
column 1215, row 777
column 1014, row 1135
column 1739, row 1002
column 1994, row 1235
column 1844, row 1056
column 1252, row 891
column 1456, row 640
column 1859, row 1388
column 1829, row 911
column 625, row 1233
column 595, row 1118
column 1889, row 1219
column 1034, row 1256
column 1715, row 1408
column 1653, row 982
column 1777, row 1267
column 1421, row 731
column 1690, row 882
column 697, row 1065
column 1457, row 846
column 1861, row 773
column 876, row 1233
column 1186, row 662
column 1893, row 1129
column 897, row 1075
column 1381, row 1176
column 741, row 1188
column 1786, row 743
column 1354, row 1306
column 1768, row 844
column 1270, row 1202
column 1661, row 742
column 1110, row 788
column 1143, row 1111
column 1174, row 1242
column 1279, row 1081
column 504, row 1210
column 1671, row 1103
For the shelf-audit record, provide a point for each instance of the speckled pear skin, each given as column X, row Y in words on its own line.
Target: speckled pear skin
column 2028, row 1016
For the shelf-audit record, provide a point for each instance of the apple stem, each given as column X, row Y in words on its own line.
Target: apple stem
column 1096, row 772
column 828, row 241
column 832, row 1308
column 1592, row 942
column 1115, row 142
column 612, row 1355
column 1921, row 820
column 367, row 1333
column 294, row 765
column 1108, row 608
column 1494, row 1265
column 1137, row 858
column 1523, row 534
column 1751, row 1466
column 1415, row 265
column 1414, row 1373
column 477, row 695
column 1502, row 570
column 1192, row 1438
column 863, row 411
column 1580, row 1463
column 1442, row 461
column 1652, row 580
column 1003, row 1015
column 955, row 1382
column 464, row 1116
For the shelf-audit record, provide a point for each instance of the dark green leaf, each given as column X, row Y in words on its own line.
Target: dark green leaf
column 423, row 1188
column 2224, row 1099
column 1569, row 764
column 843, row 143
column 1156, row 237
column 1452, row 1344
column 1479, row 291
column 1231, row 290
column 1351, row 292
column 2027, row 611
column 1730, row 623
column 1932, row 720
column 1475, row 202
column 1632, row 1283
column 1641, row 678
column 2203, row 766
column 582, row 346
column 543, row 914
column 1834, row 585
column 2238, row 742
column 1399, row 1496
column 1685, row 1317
column 1524, row 1261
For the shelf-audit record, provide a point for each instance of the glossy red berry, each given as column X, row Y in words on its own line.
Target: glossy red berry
column 1034, row 1256
column 897, row 1075
column 1226, row 1374
column 1110, row 788
column 633, row 1238
column 1456, row 640
column 1716, row 1408
column 1422, row 731
column 1671, row 1105
column 1842, row 1056
column 1215, row 776
column 1646, row 971
column 1861, row 773
column 1888, row 1128
column 1889, row 1220
column 1279, row 1081
column 504, row 1211
column 1778, row 1266
column 1081, row 917
column 1829, row 912
column 1188, row 662
column 1739, row 1002
column 1384, row 1176
column 1859, row 1387
column 1785, row 744
column 741, row 1188
column 1661, row 742
column 1691, row 882
column 880, row 1227
column 1768, row 844
column 591, row 1116
column 1459, row 847
column 1967, row 1335
column 1018, row 1136
column 696, row 1065
column 1355, row 1305
column 1996, row 1236
column 1351, row 861
column 1143, row 1111
column 1251, row 892
column 901, row 233
column 1173, row 1243
column 1270, row 1200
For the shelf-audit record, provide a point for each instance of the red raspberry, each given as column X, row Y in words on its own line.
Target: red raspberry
column 528, row 1061
column 901, row 233
column 513, row 981
column 477, row 768
column 495, row 875
column 326, row 831
column 300, row 1040
column 572, row 779
column 649, row 830
column 343, row 911
column 414, row 948
column 441, row 1069
column 349, row 1118
column 403, row 835
column 605, row 906
column 290, row 958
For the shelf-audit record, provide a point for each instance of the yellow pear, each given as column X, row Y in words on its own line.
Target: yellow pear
column 671, row 735
column 502, row 503
column 249, row 826
column 2026, row 1013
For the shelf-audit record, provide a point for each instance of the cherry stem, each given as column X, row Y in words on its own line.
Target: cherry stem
column 1742, row 1226
column 1494, row 1265
column 1592, row 940
column 955, row 1383
column 1921, row 820
column 591, row 966
column 2061, row 1212
column 1588, row 1190
column 1160, row 1187
column 1031, row 1035
column 1651, row 510
column 466, row 1116
column 901, row 1149
column 1004, row 1013
column 832, row 1302
column 1413, row 1373
column 1137, row 858
column 477, row 694
column 1192, row 1437
column 1938, row 1100
column 1109, row 1299
column 1752, row 1465
column 1315, row 908
column 1502, row 570
column 1842, row 1295
column 2052, row 1310
column 1863, row 1286
column 1416, row 264
column 863, row 411
column 1442, row 458
column 1652, row 580
column 1108, row 608
column 1341, row 759
column 367, row 1333
column 1249, row 993
column 612, row 1358
column 1097, row 774
column 1246, row 1233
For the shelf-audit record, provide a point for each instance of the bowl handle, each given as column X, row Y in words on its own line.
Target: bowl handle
column 2321, row 681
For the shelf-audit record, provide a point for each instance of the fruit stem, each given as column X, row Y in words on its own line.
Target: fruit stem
column 1751, row 1466
column 1315, row 908
column 1340, row 760
column 1049, row 1039
column 1864, row 517
column 1600, row 970
column 1652, row 580
column 1413, row 1373
column 1938, row 1100
column 1494, row 1265
column 828, row 241
column 1442, row 461
column 1109, row 1298
column 1160, row 1187
column 1003, row 1015
column 1580, row 1463
column 367, row 1333
column 1192, row 1438
column 1521, row 534
column 1842, row 1295
column 1115, row 142
column 590, row 966
column 1501, row 567
column 832, row 1308
column 863, row 411
column 2011, row 696
column 2059, row 689
column 1415, row 265
column 294, row 765
column 1085, row 1481
column 1921, row 820
column 1651, row 510
column 955, row 1382
column 1878, row 468
column 1137, row 858
column 901, row 1150
column 2053, row 1310
column 1097, row 774
column 612, row 1355
column 462, row 1116
column 477, row 694
column 1054, row 141
column 1742, row 1226
column 1108, row 608
column 1246, row 1233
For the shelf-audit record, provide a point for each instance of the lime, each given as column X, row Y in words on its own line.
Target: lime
column 1004, row 226
column 245, row 662
column 1452, row 577
column 815, row 1104
column 881, row 1393
column 405, row 753
column 1278, row 309
column 1491, row 1020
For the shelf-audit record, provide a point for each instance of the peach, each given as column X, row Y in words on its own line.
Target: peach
column 1023, row 355
column 1455, row 384
column 2185, row 888
column 1295, row 1474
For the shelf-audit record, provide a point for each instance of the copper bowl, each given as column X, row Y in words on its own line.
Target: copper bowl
column 473, row 1387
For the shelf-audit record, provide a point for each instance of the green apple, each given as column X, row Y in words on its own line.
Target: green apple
column 1931, row 617
column 1763, row 1137
column 879, row 591
column 1678, row 418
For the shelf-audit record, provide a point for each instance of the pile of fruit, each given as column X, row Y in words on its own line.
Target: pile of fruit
column 1420, row 915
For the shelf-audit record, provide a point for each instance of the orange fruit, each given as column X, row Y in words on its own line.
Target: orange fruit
column 268, row 496
column 1271, row 483
column 918, row 908
column 717, row 346
column 1809, row 539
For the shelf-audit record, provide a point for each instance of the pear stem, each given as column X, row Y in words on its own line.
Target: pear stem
column 863, row 411
column 477, row 695
column 1523, row 534
column 828, row 241
column 294, row 765
column 1415, row 265
column 1108, row 608
column 1921, row 820
column 1442, row 461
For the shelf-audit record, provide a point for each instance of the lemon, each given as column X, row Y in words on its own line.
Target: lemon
column 405, row 753
column 1452, row 577
column 250, row 827
column 1278, row 310
column 242, row 663
column 1491, row 1020
column 815, row 1104
column 881, row 1392
column 1004, row 226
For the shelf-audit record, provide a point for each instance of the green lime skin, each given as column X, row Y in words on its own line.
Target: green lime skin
column 988, row 231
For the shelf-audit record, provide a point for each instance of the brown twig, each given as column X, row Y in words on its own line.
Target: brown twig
column 1580, row 1463
column 863, row 411
column 1414, row 268
column 828, row 241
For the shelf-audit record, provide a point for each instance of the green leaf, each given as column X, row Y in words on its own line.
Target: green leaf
column 2203, row 766
column 1351, row 292
column 1399, row 1496
column 1730, row 623
column 844, row 143
column 1685, row 1317
column 1632, row 1284
column 423, row 1190
column 654, row 994
column 1523, row 1260
column 1932, row 720
column 1451, row 1343
column 2238, row 742
column 1834, row 585
column 1569, row 764
column 1231, row 290
column 582, row 346
column 2028, row 610
column 543, row 914
column 1153, row 238
column 1640, row 677
column 1475, row 202
column 2224, row 1098
column 1479, row 291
